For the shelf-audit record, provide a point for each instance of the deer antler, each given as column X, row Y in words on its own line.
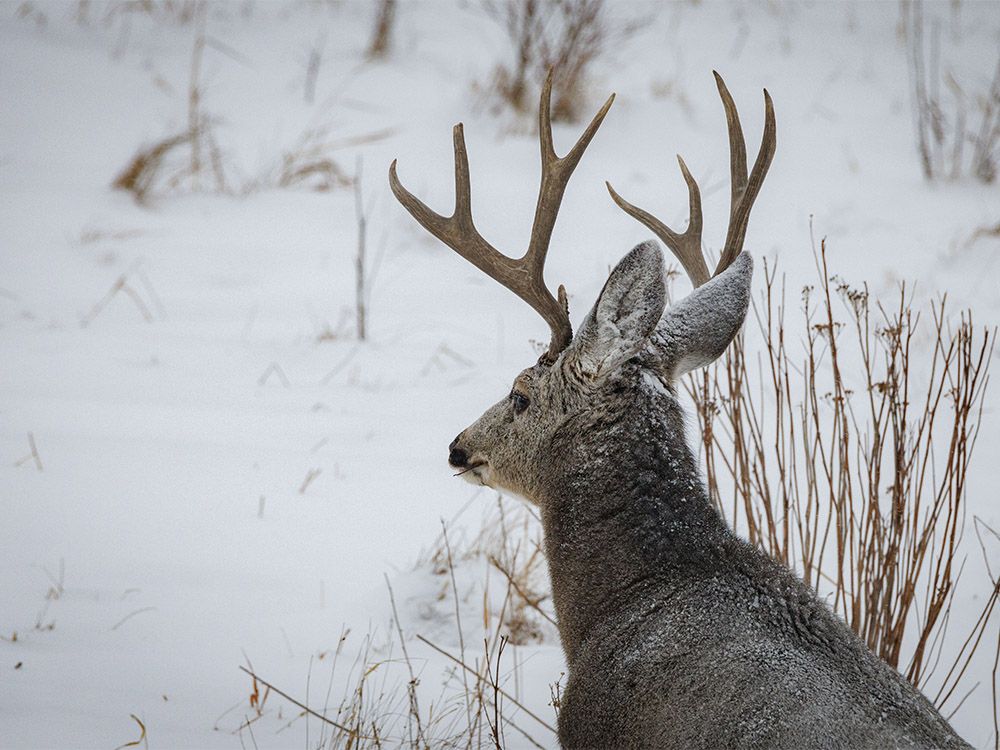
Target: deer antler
column 523, row 276
column 687, row 245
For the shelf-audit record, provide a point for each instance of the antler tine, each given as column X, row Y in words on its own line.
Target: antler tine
column 523, row 276
column 686, row 246
column 458, row 230
column 744, row 190
column 556, row 172
column 737, row 144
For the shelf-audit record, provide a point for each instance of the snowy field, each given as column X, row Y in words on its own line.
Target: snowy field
column 201, row 468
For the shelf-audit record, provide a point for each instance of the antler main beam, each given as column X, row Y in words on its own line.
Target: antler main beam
column 524, row 275
column 687, row 245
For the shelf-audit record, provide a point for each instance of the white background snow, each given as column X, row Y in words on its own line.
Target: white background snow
column 159, row 439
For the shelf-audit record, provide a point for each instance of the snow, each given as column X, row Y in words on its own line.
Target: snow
column 159, row 439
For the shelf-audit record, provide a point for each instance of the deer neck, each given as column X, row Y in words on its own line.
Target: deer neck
column 626, row 514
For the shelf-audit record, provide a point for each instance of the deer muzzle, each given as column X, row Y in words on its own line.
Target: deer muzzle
column 457, row 457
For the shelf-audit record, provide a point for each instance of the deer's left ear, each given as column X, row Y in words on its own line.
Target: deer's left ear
column 625, row 314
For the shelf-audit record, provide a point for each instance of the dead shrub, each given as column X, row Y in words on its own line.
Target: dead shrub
column 561, row 35
column 849, row 462
column 963, row 138
column 183, row 160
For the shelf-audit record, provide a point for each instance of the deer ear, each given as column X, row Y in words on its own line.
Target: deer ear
column 696, row 331
column 625, row 314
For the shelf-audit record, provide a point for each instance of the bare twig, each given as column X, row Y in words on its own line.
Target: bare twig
column 130, row 615
column 303, row 706
column 142, row 735
column 309, row 479
column 312, row 68
column 275, row 369
column 360, row 289
column 120, row 285
column 466, row 668
column 382, row 36
column 412, row 686
column 32, row 456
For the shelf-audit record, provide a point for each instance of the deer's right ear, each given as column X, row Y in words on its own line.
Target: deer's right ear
column 625, row 314
column 696, row 331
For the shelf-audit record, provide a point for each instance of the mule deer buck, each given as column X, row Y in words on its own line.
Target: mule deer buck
column 677, row 633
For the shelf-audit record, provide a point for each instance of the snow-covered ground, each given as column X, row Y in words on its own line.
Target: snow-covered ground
column 174, row 525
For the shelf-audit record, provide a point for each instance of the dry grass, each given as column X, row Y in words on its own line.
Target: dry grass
column 144, row 172
column 178, row 164
column 383, row 704
column 308, row 164
column 194, row 160
column 142, row 740
column 508, row 543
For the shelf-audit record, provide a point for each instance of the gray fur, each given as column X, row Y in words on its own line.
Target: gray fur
column 698, row 329
column 677, row 633
column 627, row 311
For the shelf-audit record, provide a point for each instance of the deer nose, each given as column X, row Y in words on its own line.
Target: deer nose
column 456, row 456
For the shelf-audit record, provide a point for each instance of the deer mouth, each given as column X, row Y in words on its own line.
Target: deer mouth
column 472, row 473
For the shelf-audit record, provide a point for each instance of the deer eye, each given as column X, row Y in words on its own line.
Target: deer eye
column 520, row 401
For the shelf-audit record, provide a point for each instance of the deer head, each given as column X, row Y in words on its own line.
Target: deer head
column 626, row 338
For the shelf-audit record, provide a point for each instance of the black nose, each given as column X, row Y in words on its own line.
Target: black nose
column 456, row 456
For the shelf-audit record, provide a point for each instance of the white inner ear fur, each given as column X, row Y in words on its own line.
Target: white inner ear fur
column 625, row 314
